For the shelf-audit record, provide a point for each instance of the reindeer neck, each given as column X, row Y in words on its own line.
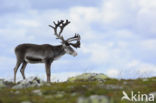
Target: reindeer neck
column 59, row 51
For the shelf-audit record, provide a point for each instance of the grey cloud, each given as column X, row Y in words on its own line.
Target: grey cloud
column 62, row 4
column 8, row 6
column 119, row 38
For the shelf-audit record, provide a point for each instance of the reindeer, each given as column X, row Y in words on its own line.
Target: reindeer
column 46, row 53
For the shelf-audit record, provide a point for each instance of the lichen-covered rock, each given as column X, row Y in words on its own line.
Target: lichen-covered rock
column 2, row 83
column 37, row 92
column 109, row 86
column 59, row 95
column 94, row 99
column 17, row 92
column 153, row 93
column 29, row 82
column 26, row 102
column 88, row 77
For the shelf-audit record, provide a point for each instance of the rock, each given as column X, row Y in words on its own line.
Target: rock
column 59, row 94
column 113, row 87
column 144, row 79
column 48, row 96
column 153, row 93
column 73, row 94
column 94, row 99
column 88, row 77
column 29, row 82
column 26, row 102
column 2, row 83
column 110, row 86
column 37, row 92
column 17, row 92
column 125, row 83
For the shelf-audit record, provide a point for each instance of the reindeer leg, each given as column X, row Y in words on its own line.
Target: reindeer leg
column 15, row 70
column 23, row 69
column 48, row 70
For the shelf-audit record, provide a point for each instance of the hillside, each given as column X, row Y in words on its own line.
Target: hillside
column 95, row 88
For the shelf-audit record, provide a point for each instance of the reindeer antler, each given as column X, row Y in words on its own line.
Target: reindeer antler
column 77, row 38
column 61, row 24
column 76, row 45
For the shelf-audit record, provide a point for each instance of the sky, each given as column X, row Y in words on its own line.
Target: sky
column 118, row 37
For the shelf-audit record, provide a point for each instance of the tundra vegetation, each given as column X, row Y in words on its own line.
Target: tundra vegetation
column 85, row 88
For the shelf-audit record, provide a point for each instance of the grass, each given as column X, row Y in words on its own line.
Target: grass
column 69, row 92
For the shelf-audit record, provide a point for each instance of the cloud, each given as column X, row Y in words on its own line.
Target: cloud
column 4, row 61
column 29, row 23
column 142, row 69
column 113, row 73
column 149, row 44
column 114, row 33
column 15, row 6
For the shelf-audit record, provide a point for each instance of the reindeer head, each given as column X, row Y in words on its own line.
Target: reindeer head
column 67, row 44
